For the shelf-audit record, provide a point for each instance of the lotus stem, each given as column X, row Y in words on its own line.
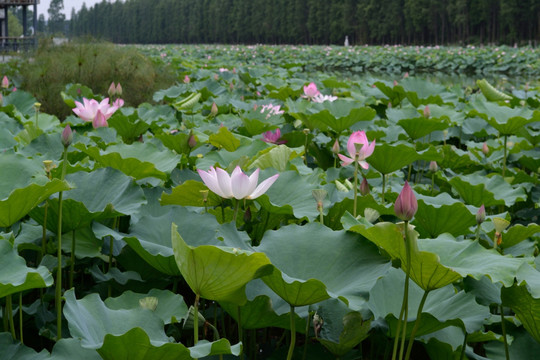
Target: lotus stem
column 307, row 336
column 416, row 324
column 403, row 315
column 5, row 317
column 21, row 319
column 9, row 310
column 236, row 207
column 196, row 320
column 58, row 292
column 432, row 183
column 44, row 234
column 111, row 244
column 503, row 326
column 355, row 184
column 462, row 355
column 383, row 187
column 72, row 265
column 240, row 332
column 504, row 156
column 293, row 335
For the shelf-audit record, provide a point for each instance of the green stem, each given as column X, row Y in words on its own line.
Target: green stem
column 58, row 292
column 504, row 156
column 416, row 324
column 406, row 287
column 355, row 184
column 72, row 265
column 307, row 336
column 293, row 335
column 383, row 186
column 396, row 339
column 9, row 309
column 236, row 207
column 111, row 244
column 5, row 318
column 463, row 347
column 321, row 216
column 240, row 331
column 21, row 319
column 506, row 352
column 409, row 173
column 44, row 233
column 196, row 320
column 432, row 183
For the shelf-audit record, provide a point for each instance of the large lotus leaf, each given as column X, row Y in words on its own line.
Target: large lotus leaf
column 178, row 142
column 66, row 349
column 339, row 123
column 128, row 127
column 150, row 237
column 160, row 114
column 44, row 147
column 396, row 94
column 87, row 245
column 439, row 261
column 292, row 194
column 21, row 201
column 16, row 276
column 420, row 126
column 343, row 329
column 121, row 277
column 335, row 264
column 485, row 291
column 388, row 158
column 23, row 101
column 19, row 172
column 224, row 139
column 443, row 307
column 170, row 308
column 440, row 214
column 224, row 158
column 139, row 160
column 420, row 91
column 507, row 120
column 456, row 159
column 91, row 320
column 265, row 308
column 218, row 273
column 189, row 193
column 103, row 193
column 529, row 159
column 477, row 189
column 12, row 350
column 516, row 234
column 523, row 346
column 525, row 305
column 276, row 157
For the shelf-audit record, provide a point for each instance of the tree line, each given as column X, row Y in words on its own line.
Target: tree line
column 311, row 21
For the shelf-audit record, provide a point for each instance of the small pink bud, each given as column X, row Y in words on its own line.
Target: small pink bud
column 14, row 89
column 406, row 75
column 118, row 89
column 192, row 142
column 214, row 111
column 5, row 82
column 481, row 215
column 485, row 148
column 112, row 89
column 67, row 136
column 335, row 147
column 406, row 205
column 433, row 167
column 186, row 79
column 427, row 112
column 364, row 187
column 395, row 83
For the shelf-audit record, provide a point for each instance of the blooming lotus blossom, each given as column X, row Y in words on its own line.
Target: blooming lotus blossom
column 89, row 109
column 272, row 110
column 310, row 91
column 320, row 98
column 406, row 205
column 358, row 147
column 237, row 185
column 273, row 137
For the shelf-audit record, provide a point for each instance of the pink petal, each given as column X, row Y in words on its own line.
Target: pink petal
column 345, row 160
column 263, row 187
column 224, row 182
column 210, row 180
column 240, row 184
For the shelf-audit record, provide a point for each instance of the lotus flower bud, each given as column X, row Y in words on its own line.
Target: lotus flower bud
column 5, row 82
column 118, row 89
column 433, row 167
column 112, row 89
column 485, row 148
column 364, row 187
column 395, row 83
column 335, row 147
column 214, row 110
column 186, row 79
column 406, row 205
column 247, row 215
column 67, row 136
column 149, row 302
column 406, row 75
column 427, row 112
column 192, row 142
column 481, row 215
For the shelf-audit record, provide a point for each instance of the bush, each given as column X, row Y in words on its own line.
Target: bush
column 93, row 64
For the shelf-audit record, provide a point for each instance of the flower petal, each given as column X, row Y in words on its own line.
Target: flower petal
column 224, row 182
column 263, row 187
column 240, row 184
column 210, row 180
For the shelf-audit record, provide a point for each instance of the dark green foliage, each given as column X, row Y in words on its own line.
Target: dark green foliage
column 94, row 64
column 312, row 21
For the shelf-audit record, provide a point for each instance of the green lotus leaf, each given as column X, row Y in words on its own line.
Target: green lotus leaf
column 517, row 233
column 128, row 127
column 339, row 121
column 178, row 142
column 525, row 305
column 103, row 193
column 507, row 120
column 528, row 158
column 218, row 273
column 91, row 320
column 456, row 159
column 440, row 214
column 277, row 157
column 523, row 346
column 44, row 147
column 19, row 172
column 224, row 139
column 388, row 158
column 139, row 160
column 190, row 194
column 477, row 189
column 443, row 307
column 485, row 291
column 420, row 91
column 14, row 350
column 16, row 276
column 343, row 329
column 170, row 308
column 21, row 201
column 121, row 277
column 336, row 264
column 420, row 126
column 157, row 114
column 395, row 94
column 87, row 244
column 65, row 349
column 23, row 102
column 222, row 346
column 440, row 261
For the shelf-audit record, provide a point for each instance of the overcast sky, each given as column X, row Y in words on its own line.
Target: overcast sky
column 43, row 6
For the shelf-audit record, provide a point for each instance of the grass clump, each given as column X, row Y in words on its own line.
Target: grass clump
column 93, row 64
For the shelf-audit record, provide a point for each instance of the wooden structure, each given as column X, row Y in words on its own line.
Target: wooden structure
column 28, row 39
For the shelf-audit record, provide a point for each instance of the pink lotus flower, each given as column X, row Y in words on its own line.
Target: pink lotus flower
column 406, row 205
column 272, row 110
column 5, row 82
column 89, row 109
column 359, row 148
column 320, row 98
column 273, row 137
column 186, row 79
column 310, row 91
column 238, row 185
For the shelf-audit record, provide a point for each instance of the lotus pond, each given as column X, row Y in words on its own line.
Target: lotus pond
column 265, row 208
